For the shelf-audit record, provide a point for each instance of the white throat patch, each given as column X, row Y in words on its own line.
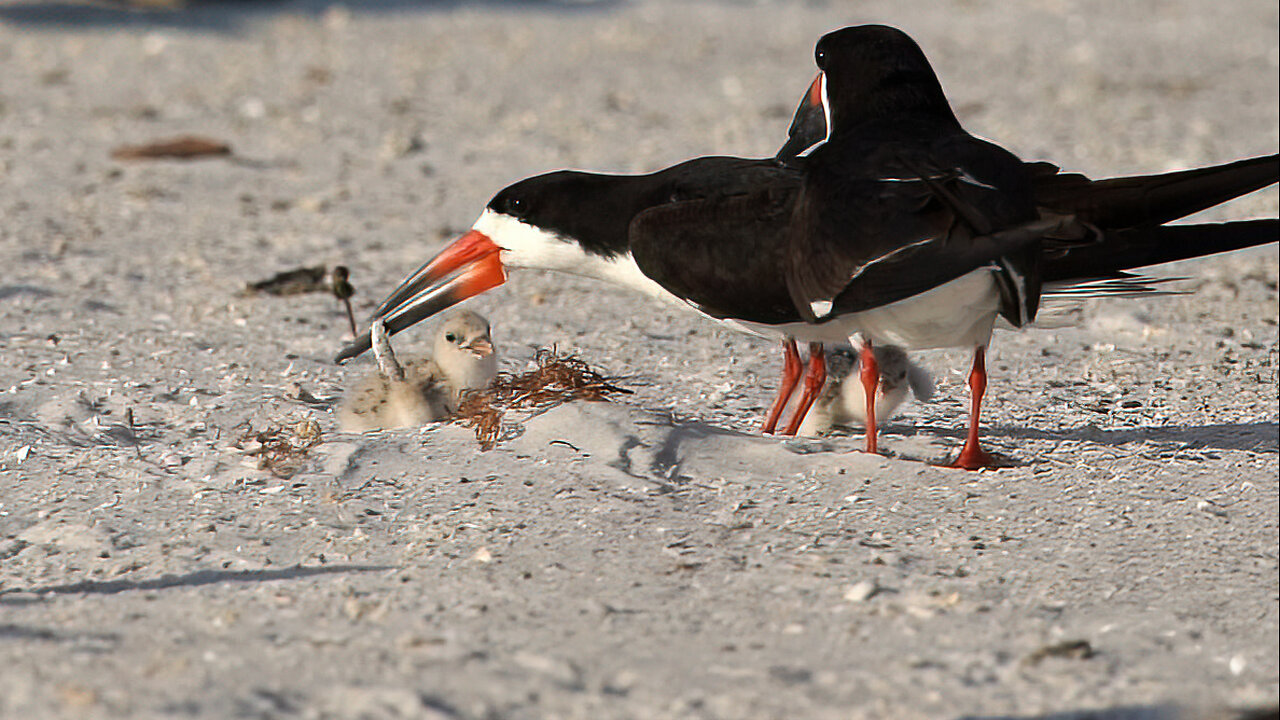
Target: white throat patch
column 527, row 246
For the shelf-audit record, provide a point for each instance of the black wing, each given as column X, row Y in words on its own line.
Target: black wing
column 1124, row 217
column 723, row 254
column 1148, row 200
column 881, row 220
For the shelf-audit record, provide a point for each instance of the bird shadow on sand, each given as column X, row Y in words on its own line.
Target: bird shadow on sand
column 667, row 459
column 652, row 446
column 23, row 596
column 669, row 450
column 1262, row 437
column 1138, row 712
column 230, row 16
column 86, row 642
column 30, row 291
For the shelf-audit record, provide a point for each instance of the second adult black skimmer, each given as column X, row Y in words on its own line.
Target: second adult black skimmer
column 876, row 112
column 899, row 228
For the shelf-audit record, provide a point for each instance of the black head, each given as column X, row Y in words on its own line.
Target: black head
column 874, row 72
column 593, row 210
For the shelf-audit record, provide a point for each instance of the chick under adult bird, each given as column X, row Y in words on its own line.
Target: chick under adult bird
column 425, row 389
column 899, row 228
column 843, row 400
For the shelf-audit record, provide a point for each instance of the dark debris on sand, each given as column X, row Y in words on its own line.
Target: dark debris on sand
column 298, row 281
column 281, row 449
column 185, row 147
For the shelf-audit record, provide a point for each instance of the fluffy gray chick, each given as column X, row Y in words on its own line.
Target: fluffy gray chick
column 844, row 401
column 426, row 389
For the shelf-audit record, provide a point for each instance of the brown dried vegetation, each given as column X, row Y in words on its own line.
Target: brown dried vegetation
column 281, row 449
column 186, row 147
column 556, row 379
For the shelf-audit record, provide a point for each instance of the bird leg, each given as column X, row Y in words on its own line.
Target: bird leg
column 791, row 369
column 972, row 456
column 386, row 357
column 869, row 373
column 813, row 382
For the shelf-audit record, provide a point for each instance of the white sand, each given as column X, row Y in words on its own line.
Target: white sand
column 646, row 559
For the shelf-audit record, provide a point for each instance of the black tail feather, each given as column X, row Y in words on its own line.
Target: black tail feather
column 1147, row 200
column 1138, row 247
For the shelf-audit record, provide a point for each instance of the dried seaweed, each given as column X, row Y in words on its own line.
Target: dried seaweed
column 282, row 449
column 1070, row 649
column 186, row 147
column 556, row 379
column 298, row 281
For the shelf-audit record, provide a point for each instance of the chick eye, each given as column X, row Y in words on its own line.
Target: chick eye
column 451, row 337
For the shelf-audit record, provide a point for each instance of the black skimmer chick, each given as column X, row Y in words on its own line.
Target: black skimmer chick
column 899, row 228
column 843, row 400
column 422, row 390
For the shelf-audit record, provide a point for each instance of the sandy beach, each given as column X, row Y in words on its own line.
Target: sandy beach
column 649, row 557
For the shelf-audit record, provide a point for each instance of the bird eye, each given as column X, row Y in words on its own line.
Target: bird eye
column 451, row 337
column 517, row 206
column 820, row 57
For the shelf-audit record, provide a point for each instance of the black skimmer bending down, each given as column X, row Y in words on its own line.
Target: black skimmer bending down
column 899, row 228
column 423, row 390
column 843, row 401
column 712, row 233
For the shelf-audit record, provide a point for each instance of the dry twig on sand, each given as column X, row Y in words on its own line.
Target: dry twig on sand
column 556, row 379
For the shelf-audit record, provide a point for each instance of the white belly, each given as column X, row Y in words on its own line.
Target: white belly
column 959, row 313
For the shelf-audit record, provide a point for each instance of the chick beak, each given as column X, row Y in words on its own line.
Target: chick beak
column 480, row 347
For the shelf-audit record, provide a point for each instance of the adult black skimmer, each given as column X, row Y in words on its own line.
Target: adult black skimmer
column 899, row 228
column 422, row 390
column 876, row 111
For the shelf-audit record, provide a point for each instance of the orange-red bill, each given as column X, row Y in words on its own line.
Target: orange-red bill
column 814, row 96
column 420, row 297
column 809, row 124
column 467, row 249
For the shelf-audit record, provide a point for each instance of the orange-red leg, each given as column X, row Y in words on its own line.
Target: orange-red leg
column 972, row 456
column 813, row 382
column 869, row 373
column 791, row 369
